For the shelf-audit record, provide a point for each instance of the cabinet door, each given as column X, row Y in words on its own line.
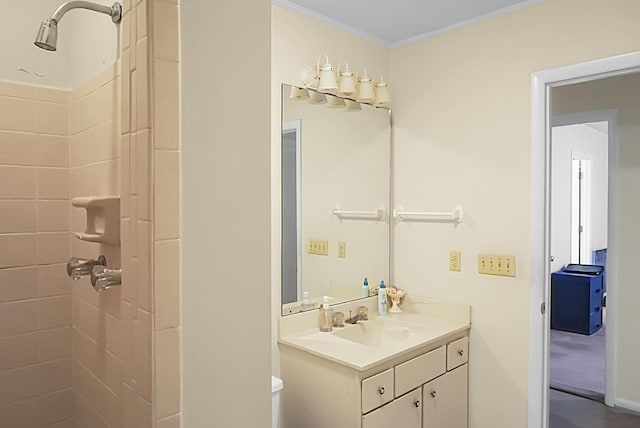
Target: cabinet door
column 405, row 412
column 445, row 400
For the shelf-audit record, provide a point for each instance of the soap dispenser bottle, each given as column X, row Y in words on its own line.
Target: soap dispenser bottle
column 365, row 288
column 325, row 321
column 382, row 299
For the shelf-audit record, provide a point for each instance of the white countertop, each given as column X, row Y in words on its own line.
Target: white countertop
column 423, row 322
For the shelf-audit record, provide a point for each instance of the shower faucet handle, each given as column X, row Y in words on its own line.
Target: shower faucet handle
column 103, row 278
column 78, row 267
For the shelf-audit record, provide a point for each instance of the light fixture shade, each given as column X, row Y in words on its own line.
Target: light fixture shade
column 383, row 98
column 347, row 84
column 335, row 102
column 353, row 105
column 328, row 81
column 298, row 93
column 317, row 98
column 366, row 93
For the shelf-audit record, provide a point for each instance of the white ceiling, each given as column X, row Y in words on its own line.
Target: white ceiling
column 397, row 22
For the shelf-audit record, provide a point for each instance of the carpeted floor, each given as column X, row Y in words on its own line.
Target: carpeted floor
column 578, row 363
column 569, row 411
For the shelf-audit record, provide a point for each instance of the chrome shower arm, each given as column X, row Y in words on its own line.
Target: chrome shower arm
column 115, row 10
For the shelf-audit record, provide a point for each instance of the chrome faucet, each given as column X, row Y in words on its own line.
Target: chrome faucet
column 361, row 315
column 78, row 267
column 103, row 278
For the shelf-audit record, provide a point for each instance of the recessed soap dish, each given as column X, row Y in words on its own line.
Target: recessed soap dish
column 103, row 218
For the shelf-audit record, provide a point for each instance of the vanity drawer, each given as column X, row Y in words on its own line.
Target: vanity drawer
column 377, row 390
column 419, row 370
column 457, row 353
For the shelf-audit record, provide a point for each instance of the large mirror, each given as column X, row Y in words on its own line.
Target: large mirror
column 335, row 199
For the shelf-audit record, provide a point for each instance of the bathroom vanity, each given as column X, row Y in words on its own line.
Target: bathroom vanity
column 407, row 370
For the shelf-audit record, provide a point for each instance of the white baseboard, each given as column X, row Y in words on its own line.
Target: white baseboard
column 627, row 405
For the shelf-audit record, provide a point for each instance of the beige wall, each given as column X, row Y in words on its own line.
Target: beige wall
column 35, row 302
column 225, row 57
column 621, row 93
column 296, row 43
column 462, row 123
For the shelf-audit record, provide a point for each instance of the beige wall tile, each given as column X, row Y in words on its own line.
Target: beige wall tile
column 55, row 375
column 54, row 344
column 83, row 290
column 54, row 312
column 80, row 181
column 52, row 150
column 167, row 195
column 55, row 407
column 53, row 248
column 83, row 147
column 53, row 215
column 170, row 422
column 18, row 317
column 17, row 250
column 116, row 338
column 19, row 384
column 17, row 216
column 129, row 401
column 105, row 402
column 127, row 284
column 133, row 164
column 125, row 164
column 125, row 35
column 19, row 182
column 106, row 178
column 18, row 351
column 17, row 148
column 17, row 90
column 18, row 283
column 142, row 361
column 125, row 99
column 86, row 318
column 23, row 414
column 166, row 291
column 144, row 418
column 166, row 106
column 108, row 141
column 143, row 278
column 134, row 90
column 143, row 174
column 52, row 95
column 127, row 357
column 52, row 118
column 167, row 372
column 165, row 36
column 17, row 114
column 142, row 85
column 70, row 423
column 133, row 240
column 100, row 363
column 53, row 280
column 53, row 183
column 84, row 414
column 141, row 25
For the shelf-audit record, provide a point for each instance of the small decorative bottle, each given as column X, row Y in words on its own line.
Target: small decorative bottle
column 325, row 320
column 365, row 288
column 382, row 299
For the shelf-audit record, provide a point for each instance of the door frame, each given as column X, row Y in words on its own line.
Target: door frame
column 541, row 84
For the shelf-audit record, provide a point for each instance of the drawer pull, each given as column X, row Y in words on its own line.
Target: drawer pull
column 434, row 393
column 461, row 352
column 417, row 403
column 381, row 390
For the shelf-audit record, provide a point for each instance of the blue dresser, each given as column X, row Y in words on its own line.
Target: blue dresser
column 576, row 299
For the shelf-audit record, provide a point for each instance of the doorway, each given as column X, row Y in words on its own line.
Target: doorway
column 542, row 84
column 579, row 201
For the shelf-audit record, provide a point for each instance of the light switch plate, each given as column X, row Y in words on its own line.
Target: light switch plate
column 454, row 261
column 497, row 264
column 318, row 247
column 342, row 250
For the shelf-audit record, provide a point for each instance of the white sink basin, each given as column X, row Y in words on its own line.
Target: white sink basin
column 378, row 332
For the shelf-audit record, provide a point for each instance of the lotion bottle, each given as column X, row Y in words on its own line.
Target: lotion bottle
column 325, row 320
column 365, row 288
column 382, row 299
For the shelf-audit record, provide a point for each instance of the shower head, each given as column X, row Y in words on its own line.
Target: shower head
column 47, row 37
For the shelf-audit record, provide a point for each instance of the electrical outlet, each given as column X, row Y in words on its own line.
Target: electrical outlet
column 342, row 250
column 454, row 261
column 497, row 264
column 318, row 247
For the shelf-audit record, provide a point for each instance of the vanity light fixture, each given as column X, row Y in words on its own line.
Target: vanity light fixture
column 353, row 105
column 346, row 81
column 382, row 96
column 335, row 102
column 298, row 93
column 328, row 82
column 366, row 93
column 316, row 97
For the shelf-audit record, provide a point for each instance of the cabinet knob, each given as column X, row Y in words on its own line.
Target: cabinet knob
column 434, row 393
column 381, row 390
column 461, row 352
column 417, row 403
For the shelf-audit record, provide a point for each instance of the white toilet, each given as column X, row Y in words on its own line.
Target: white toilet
column 276, row 387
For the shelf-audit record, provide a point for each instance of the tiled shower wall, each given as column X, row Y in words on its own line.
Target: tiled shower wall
column 35, row 305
